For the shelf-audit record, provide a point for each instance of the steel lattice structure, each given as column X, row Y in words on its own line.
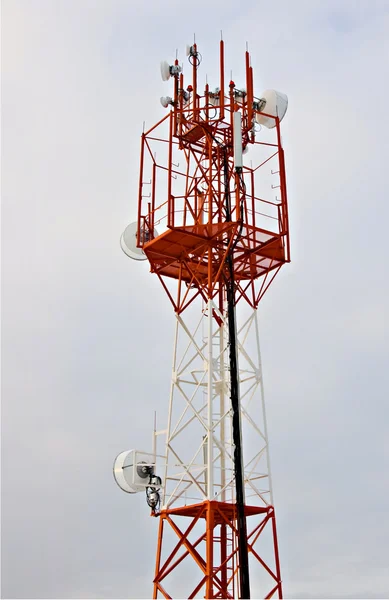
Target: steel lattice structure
column 199, row 471
column 215, row 236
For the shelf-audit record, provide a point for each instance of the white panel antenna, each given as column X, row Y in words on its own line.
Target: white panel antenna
column 238, row 158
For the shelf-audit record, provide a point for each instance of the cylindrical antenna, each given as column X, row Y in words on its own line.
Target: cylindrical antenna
column 221, row 96
column 206, row 94
column 251, row 100
column 176, row 88
column 249, row 95
column 181, row 103
column 194, row 70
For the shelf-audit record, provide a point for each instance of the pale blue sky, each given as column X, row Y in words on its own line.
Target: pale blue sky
column 82, row 324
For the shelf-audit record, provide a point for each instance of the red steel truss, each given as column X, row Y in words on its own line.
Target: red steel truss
column 182, row 217
column 215, row 551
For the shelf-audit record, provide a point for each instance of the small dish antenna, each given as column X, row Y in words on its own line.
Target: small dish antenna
column 168, row 71
column 191, row 51
column 214, row 97
column 273, row 103
column 123, row 472
column 185, row 96
column 134, row 472
column 128, row 243
column 165, row 70
column 166, row 100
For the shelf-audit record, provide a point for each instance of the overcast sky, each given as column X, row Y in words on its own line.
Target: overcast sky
column 87, row 334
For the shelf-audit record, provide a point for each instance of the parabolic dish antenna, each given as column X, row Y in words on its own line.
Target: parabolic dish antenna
column 165, row 70
column 276, row 104
column 166, row 100
column 128, row 243
column 122, row 471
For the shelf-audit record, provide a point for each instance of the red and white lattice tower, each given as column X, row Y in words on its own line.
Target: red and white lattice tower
column 213, row 224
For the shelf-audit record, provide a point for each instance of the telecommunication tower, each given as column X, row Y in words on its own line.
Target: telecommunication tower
column 213, row 224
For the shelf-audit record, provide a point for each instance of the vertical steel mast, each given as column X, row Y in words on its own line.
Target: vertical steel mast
column 215, row 232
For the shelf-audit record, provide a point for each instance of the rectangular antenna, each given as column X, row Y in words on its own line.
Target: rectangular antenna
column 238, row 154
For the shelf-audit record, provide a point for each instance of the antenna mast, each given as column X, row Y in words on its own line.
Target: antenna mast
column 215, row 234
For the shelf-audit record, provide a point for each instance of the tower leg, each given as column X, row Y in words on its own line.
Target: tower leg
column 158, row 558
column 209, row 544
column 276, row 555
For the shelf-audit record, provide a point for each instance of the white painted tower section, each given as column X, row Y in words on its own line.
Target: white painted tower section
column 197, row 461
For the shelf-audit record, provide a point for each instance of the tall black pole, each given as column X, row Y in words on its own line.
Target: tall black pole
column 244, row 575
